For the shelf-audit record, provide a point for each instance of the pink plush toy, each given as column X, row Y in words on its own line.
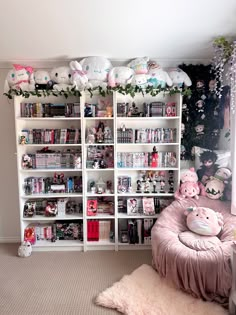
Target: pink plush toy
column 189, row 176
column 187, row 190
column 204, row 221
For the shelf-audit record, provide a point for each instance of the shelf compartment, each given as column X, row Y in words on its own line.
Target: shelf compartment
column 148, row 144
column 47, row 118
column 50, row 170
column 50, row 145
column 148, row 169
column 45, row 196
column 38, row 218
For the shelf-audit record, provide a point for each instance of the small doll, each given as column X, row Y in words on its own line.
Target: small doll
column 208, row 167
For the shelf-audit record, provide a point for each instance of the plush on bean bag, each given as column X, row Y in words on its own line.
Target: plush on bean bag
column 199, row 265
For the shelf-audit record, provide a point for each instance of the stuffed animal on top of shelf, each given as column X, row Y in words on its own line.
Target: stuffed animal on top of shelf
column 204, row 221
column 79, row 78
column 120, row 76
column 20, row 77
column 158, row 76
column 179, row 77
column 61, row 76
column 140, row 68
column 96, row 70
column 42, row 80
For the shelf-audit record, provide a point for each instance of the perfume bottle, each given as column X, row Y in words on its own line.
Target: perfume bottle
column 154, row 161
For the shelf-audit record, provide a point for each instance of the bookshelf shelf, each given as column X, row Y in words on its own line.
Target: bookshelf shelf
column 99, row 149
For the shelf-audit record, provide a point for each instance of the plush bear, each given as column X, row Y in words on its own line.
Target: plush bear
column 120, row 76
column 97, row 70
column 20, row 77
column 79, row 78
column 42, row 80
column 179, row 77
column 187, row 190
column 158, row 77
column 25, row 249
column 61, row 76
column 204, row 221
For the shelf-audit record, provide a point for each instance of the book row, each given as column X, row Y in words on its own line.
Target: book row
column 50, row 110
column 48, row 159
column 137, row 231
column 56, row 184
column 50, row 136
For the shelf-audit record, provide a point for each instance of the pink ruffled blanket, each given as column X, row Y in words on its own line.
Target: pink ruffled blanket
column 197, row 264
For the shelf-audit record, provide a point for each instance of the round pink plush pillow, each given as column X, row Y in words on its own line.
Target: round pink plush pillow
column 204, row 221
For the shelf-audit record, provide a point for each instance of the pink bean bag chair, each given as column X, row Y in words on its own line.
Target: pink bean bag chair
column 197, row 264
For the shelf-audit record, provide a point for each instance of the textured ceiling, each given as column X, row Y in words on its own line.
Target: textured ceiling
column 59, row 29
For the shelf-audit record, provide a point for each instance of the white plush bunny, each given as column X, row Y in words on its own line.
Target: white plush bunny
column 79, row 78
column 20, row 77
column 62, row 78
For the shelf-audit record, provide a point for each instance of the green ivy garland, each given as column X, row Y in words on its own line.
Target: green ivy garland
column 127, row 90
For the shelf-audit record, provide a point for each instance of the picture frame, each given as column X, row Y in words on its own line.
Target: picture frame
column 133, row 206
column 148, row 206
column 124, row 236
column 92, row 207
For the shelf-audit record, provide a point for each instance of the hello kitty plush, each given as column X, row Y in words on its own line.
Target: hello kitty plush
column 20, row 77
column 120, row 76
column 25, row 249
column 79, row 78
column 158, row 77
column 204, row 221
column 61, row 76
column 96, row 70
column 179, row 77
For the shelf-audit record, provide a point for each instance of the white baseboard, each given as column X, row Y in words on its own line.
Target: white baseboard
column 10, row 239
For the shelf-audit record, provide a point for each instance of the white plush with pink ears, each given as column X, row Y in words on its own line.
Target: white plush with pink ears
column 188, row 175
column 20, row 77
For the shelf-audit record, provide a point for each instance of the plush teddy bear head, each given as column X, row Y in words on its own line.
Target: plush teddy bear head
column 189, row 175
column 120, row 76
column 204, row 221
column 214, row 188
column 96, row 68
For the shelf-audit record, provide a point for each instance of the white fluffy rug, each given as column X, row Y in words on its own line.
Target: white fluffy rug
column 143, row 292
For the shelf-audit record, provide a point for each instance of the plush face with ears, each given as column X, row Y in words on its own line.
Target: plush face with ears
column 204, row 221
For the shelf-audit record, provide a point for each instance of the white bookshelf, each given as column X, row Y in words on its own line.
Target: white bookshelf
column 89, row 174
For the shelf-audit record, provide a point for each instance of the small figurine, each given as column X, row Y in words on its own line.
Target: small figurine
column 139, row 186
column 91, row 136
column 162, row 184
column 95, row 164
column 154, row 162
column 78, row 164
column 154, row 184
column 102, row 164
column 100, row 135
column 23, row 140
column 147, row 186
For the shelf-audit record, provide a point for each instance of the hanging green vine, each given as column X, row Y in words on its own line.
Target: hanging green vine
column 125, row 90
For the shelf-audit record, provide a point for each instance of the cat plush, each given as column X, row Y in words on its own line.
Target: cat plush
column 61, row 76
column 79, row 78
column 96, row 70
column 120, row 76
column 20, row 77
column 204, row 221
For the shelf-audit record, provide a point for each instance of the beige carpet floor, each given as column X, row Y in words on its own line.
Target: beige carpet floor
column 63, row 283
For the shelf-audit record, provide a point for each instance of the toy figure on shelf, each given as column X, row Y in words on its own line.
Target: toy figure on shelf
column 139, row 186
column 154, row 162
column 162, row 185
column 78, row 163
column 51, row 209
column 147, row 186
column 23, row 140
column 154, row 184
column 101, row 186
column 102, row 164
column 100, row 133
column 107, row 135
column 91, row 136
column 95, row 164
